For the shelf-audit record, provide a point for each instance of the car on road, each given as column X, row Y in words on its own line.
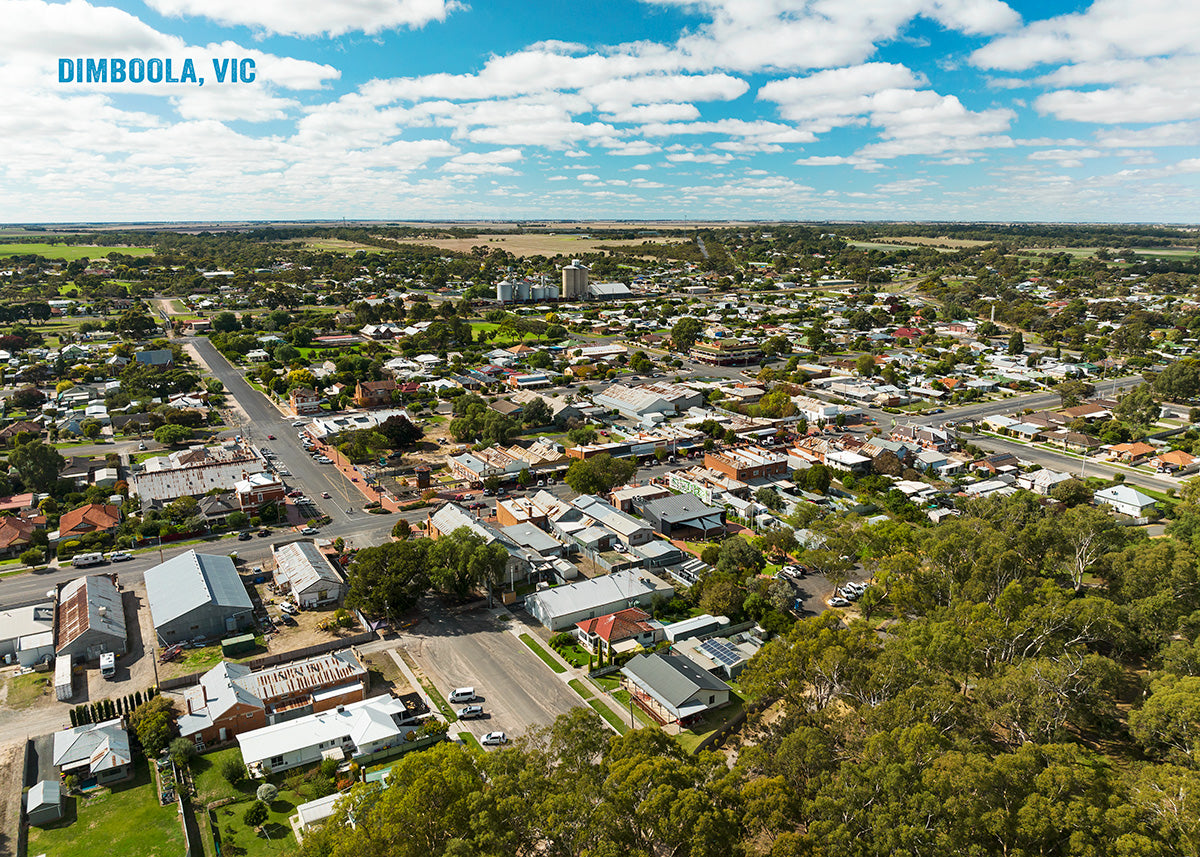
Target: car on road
column 302, row 501
column 244, row 537
column 283, row 471
column 299, row 424
column 325, row 494
column 493, row 738
column 270, row 437
column 119, row 556
column 471, row 712
column 462, row 694
column 264, row 531
column 309, row 531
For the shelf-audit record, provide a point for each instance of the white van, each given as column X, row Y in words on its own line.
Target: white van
column 108, row 665
column 462, row 694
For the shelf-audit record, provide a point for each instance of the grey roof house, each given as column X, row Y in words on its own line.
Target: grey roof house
column 197, row 595
column 672, row 688
column 684, row 515
column 564, row 606
column 97, row 751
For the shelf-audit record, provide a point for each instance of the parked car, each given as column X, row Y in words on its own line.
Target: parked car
column 287, row 619
column 462, row 694
column 244, row 537
column 309, row 531
column 493, row 738
column 325, row 494
column 265, row 531
column 120, row 556
column 838, row 601
column 288, row 607
column 471, row 712
column 295, row 492
column 270, row 437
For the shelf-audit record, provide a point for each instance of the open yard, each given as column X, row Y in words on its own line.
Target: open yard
column 126, row 819
column 22, row 691
column 70, row 252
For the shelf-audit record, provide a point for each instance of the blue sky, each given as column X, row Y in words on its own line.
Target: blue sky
column 715, row 109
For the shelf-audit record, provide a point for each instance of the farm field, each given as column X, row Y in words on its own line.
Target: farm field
column 337, row 244
column 533, row 245
column 70, row 252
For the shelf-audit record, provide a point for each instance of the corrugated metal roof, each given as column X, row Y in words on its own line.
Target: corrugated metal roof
column 89, row 603
column 185, row 582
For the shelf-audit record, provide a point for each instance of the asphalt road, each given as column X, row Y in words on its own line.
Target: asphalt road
column 475, row 649
column 264, row 419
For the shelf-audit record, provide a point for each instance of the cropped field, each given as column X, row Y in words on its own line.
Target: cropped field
column 338, row 245
column 70, row 252
column 533, row 245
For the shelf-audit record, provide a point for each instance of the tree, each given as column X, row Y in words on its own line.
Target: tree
column 37, row 464
column 32, row 557
column 28, row 397
column 525, row 478
column 233, row 769
column 865, row 365
column 1169, row 721
column 1071, row 492
column 460, row 561
column 536, row 413
column 255, row 814
column 1071, row 393
column 685, row 332
column 285, row 353
column 402, row 530
column 91, row 429
column 1180, row 381
column 172, row 435
column 225, row 322
column 770, row 498
column 582, row 436
column 388, row 579
column 153, row 723
column 599, row 474
column 180, row 750
column 267, row 793
column 738, row 557
column 1016, row 343
column 399, row 432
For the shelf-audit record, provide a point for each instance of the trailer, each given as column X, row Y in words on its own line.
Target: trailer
column 63, row 680
column 85, row 560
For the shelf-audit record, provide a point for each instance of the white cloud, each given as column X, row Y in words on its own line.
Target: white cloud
column 494, row 162
column 288, row 18
column 839, row 160
column 698, row 158
column 588, row 177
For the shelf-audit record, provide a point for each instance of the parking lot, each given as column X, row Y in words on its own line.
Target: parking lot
column 476, row 649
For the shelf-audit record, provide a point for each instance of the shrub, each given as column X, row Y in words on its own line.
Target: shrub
column 562, row 641
column 267, row 793
column 233, row 770
column 32, row 557
column 256, row 814
column 180, row 750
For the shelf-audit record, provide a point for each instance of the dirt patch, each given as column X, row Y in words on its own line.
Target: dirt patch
column 12, row 774
column 386, row 677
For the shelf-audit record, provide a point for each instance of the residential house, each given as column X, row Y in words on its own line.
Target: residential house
column 1125, row 500
column 233, row 698
column 618, row 632
column 1175, row 461
column 162, row 358
column 305, row 401
column 91, row 518
column 1042, row 481
column 374, row 394
column 565, row 606
column 97, row 753
column 1133, row 452
column 672, row 689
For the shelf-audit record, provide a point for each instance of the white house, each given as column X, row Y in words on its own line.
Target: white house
column 1125, row 500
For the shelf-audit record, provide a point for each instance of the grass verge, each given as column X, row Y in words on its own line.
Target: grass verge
column 471, row 741
column 608, row 714
column 547, row 659
column 580, row 688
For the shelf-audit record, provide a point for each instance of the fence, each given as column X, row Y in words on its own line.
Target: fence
column 278, row 658
column 393, row 752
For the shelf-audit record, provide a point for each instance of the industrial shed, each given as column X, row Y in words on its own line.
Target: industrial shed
column 197, row 595
column 89, row 619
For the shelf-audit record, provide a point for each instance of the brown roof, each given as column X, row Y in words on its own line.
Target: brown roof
column 1177, row 456
column 89, row 518
column 15, row 531
column 373, row 386
column 618, row 626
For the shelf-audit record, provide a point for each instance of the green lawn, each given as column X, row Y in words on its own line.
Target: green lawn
column 238, row 839
column 546, row 657
column 576, row 655
column 580, row 688
column 25, row 690
column 470, row 741
column 70, row 252
column 210, row 785
column 690, row 738
column 623, row 697
column 609, row 715
column 124, row 820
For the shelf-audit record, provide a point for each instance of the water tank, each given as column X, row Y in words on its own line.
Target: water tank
column 504, row 291
column 422, row 476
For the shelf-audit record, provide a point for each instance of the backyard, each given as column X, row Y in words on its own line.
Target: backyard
column 125, row 819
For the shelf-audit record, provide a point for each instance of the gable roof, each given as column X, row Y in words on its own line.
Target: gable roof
column 101, row 746
column 670, row 678
column 618, row 626
column 89, row 518
column 91, row 603
column 183, row 583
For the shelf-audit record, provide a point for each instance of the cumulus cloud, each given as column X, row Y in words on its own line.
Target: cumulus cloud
column 284, row 17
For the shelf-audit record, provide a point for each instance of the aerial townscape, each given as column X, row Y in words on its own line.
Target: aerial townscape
column 648, row 428
column 695, row 539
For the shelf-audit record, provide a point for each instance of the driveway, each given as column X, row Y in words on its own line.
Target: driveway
column 476, row 649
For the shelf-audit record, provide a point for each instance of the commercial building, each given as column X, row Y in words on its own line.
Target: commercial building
column 233, row 698
column 192, row 473
column 89, row 618
column 256, row 490
column 639, row 403
column 684, row 516
column 450, row 516
column 22, row 627
column 567, row 605
column 726, row 352
column 353, row 730
column 305, row 573
column 197, row 595
column 747, row 463
column 374, row 394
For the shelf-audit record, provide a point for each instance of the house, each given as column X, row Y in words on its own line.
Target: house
column 724, row 657
column 306, row 573
column 162, row 358
column 565, row 606
column 9, row 432
column 92, row 518
column 89, row 618
column 27, row 633
column 233, row 698
column 1175, row 461
column 1125, row 500
column 1133, row 452
column 684, row 516
column 374, row 394
column 305, row 401
column 16, row 535
column 1041, row 481
column 354, row 730
column 621, row 631
column 97, row 753
column 43, row 803
column 672, row 689
column 451, row 516
column 197, row 595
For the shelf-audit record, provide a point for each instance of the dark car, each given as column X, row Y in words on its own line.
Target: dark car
column 244, row 537
column 288, row 620
column 264, row 532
